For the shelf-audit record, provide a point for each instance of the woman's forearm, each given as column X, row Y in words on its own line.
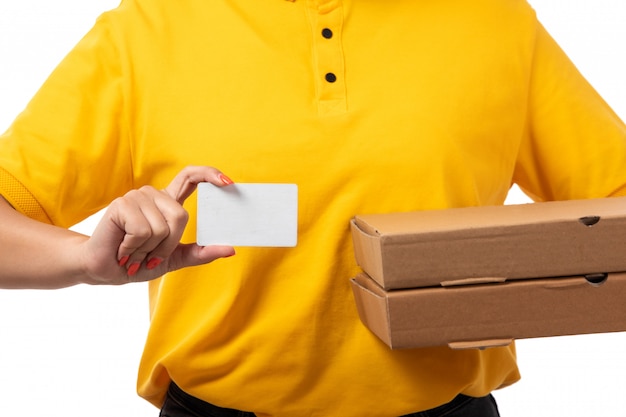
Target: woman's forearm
column 36, row 255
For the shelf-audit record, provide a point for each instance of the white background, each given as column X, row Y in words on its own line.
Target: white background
column 74, row 352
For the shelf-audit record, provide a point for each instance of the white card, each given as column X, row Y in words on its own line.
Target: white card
column 248, row 215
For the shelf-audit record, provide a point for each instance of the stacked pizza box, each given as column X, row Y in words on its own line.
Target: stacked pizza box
column 480, row 277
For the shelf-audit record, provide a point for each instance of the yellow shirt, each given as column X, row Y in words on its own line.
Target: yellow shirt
column 397, row 106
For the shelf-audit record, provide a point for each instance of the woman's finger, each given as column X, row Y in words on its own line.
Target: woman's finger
column 153, row 227
column 188, row 179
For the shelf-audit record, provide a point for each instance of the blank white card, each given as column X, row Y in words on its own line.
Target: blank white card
column 248, row 215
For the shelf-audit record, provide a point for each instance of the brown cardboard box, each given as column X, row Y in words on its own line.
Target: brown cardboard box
column 485, row 315
column 429, row 248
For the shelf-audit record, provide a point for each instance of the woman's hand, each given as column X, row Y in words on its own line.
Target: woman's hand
column 138, row 237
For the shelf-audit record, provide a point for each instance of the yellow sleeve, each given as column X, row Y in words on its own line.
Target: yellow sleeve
column 67, row 154
column 20, row 198
column 575, row 145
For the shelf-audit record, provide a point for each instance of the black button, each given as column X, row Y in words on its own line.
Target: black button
column 330, row 77
column 327, row 33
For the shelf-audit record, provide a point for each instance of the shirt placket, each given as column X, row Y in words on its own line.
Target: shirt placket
column 326, row 18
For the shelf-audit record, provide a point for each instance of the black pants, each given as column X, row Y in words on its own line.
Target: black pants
column 180, row 404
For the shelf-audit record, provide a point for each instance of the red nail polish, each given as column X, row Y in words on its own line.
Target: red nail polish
column 133, row 268
column 226, row 180
column 123, row 260
column 153, row 263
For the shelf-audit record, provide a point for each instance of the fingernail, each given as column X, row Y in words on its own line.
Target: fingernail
column 123, row 260
column 153, row 263
column 232, row 254
column 226, row 180
column 133, row 268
